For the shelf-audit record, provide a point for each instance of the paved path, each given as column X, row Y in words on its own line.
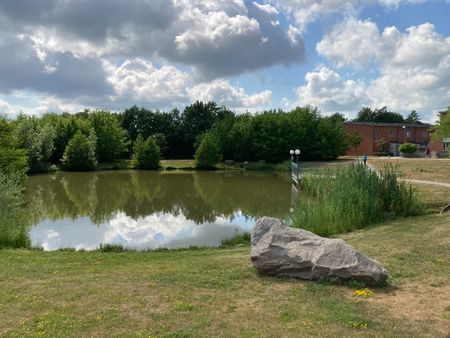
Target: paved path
column 441, row 184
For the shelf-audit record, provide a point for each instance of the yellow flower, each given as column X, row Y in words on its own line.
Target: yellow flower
column 364, row 293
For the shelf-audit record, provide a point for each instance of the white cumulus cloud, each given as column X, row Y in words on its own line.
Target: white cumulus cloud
column 413, row 67
column 223, row 93
column 141, row 81
column 308, row 11
column 326, row 89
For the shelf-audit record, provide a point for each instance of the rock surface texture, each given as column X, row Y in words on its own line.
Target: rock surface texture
column 280, row 250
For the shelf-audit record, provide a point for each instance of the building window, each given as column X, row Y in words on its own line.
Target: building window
column 425, row 134
column 377, row 132
column 408, row 134
column 390, row 133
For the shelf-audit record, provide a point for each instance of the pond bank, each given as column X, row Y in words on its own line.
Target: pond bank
column 227, row 165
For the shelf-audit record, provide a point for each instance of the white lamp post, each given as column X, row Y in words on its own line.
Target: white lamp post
column 295, row 152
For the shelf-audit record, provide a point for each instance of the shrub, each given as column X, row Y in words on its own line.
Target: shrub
column 13, row 226
column 207, row 154
column 80, row 153
column 110, row 136
column 111, row 247
column 146, row 154
column 239, row 238
column 12, row 159
column 408, row 148
column 343, row 199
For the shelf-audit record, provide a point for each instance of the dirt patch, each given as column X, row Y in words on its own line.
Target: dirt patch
column 423, row 307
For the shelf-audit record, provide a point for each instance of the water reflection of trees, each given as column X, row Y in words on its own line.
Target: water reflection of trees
column 199, row 196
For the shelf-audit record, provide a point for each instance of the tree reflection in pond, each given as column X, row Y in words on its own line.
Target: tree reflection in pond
column 150, row 209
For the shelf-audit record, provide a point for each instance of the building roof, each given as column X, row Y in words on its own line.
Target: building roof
column 383, row 124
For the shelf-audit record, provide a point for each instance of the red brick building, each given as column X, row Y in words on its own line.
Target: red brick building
column 374, row 134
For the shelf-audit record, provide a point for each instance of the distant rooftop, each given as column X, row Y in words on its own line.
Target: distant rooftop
column 408, row 125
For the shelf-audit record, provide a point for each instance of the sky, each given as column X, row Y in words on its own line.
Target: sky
column 71, row 55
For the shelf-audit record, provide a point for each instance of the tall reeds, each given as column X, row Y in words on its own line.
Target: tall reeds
column 343, row 199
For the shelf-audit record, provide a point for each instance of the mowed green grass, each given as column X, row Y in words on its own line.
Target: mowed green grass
column 178, row 164
column 217, row 292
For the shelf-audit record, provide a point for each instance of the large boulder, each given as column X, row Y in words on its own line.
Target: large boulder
column 280, row 250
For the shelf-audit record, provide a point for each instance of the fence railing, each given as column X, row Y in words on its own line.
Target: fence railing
column 295, row 172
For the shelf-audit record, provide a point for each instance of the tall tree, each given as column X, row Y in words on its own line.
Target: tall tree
column 207, row 154
column 37, row 140
column 197, row 119
column 442, row 129
column 111, row 137
column 354, row 140
column 382, row 115
column 80, row 152
column 413, row 118
column 146, row 153
column 12, row 158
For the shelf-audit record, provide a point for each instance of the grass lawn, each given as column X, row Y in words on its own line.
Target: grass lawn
column 178, row 164
column 285, row 166
column 419, row 168
column 217, row 292
column 435, row 197
column 190, row 165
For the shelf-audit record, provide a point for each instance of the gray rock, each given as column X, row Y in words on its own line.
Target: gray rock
column 280, row 250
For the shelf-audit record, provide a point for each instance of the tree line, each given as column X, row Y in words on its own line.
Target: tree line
column 205, row 130
column 384, row 115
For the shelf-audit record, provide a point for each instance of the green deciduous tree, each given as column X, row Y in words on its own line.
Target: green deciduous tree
column 383, row 144
column 197, row 119
column 80, row 153
column 161, row 141
column 413, row 118
column 207, row 154
column 382, row 115
column 66, row 125
column 12, row 158
column 111, row 137
column 37, row 140
column 442, row 129
column 354, row 140
column 146, row 153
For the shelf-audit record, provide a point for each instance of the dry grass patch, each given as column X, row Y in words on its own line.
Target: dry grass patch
column 416, row 253
column 435, row 197
column 422, row 307
column 437, row 170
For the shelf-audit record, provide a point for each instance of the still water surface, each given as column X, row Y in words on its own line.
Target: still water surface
column 147, row 210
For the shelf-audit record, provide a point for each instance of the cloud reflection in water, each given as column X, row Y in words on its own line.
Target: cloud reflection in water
column 150, row 232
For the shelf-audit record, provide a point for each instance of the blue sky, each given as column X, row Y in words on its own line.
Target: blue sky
column 248, row 55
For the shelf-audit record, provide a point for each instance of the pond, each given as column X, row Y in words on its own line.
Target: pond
column 148, row 210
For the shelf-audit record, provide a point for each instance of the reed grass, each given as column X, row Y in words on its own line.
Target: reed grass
column 343, row 199
column 241, row 238
column 11, row 212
